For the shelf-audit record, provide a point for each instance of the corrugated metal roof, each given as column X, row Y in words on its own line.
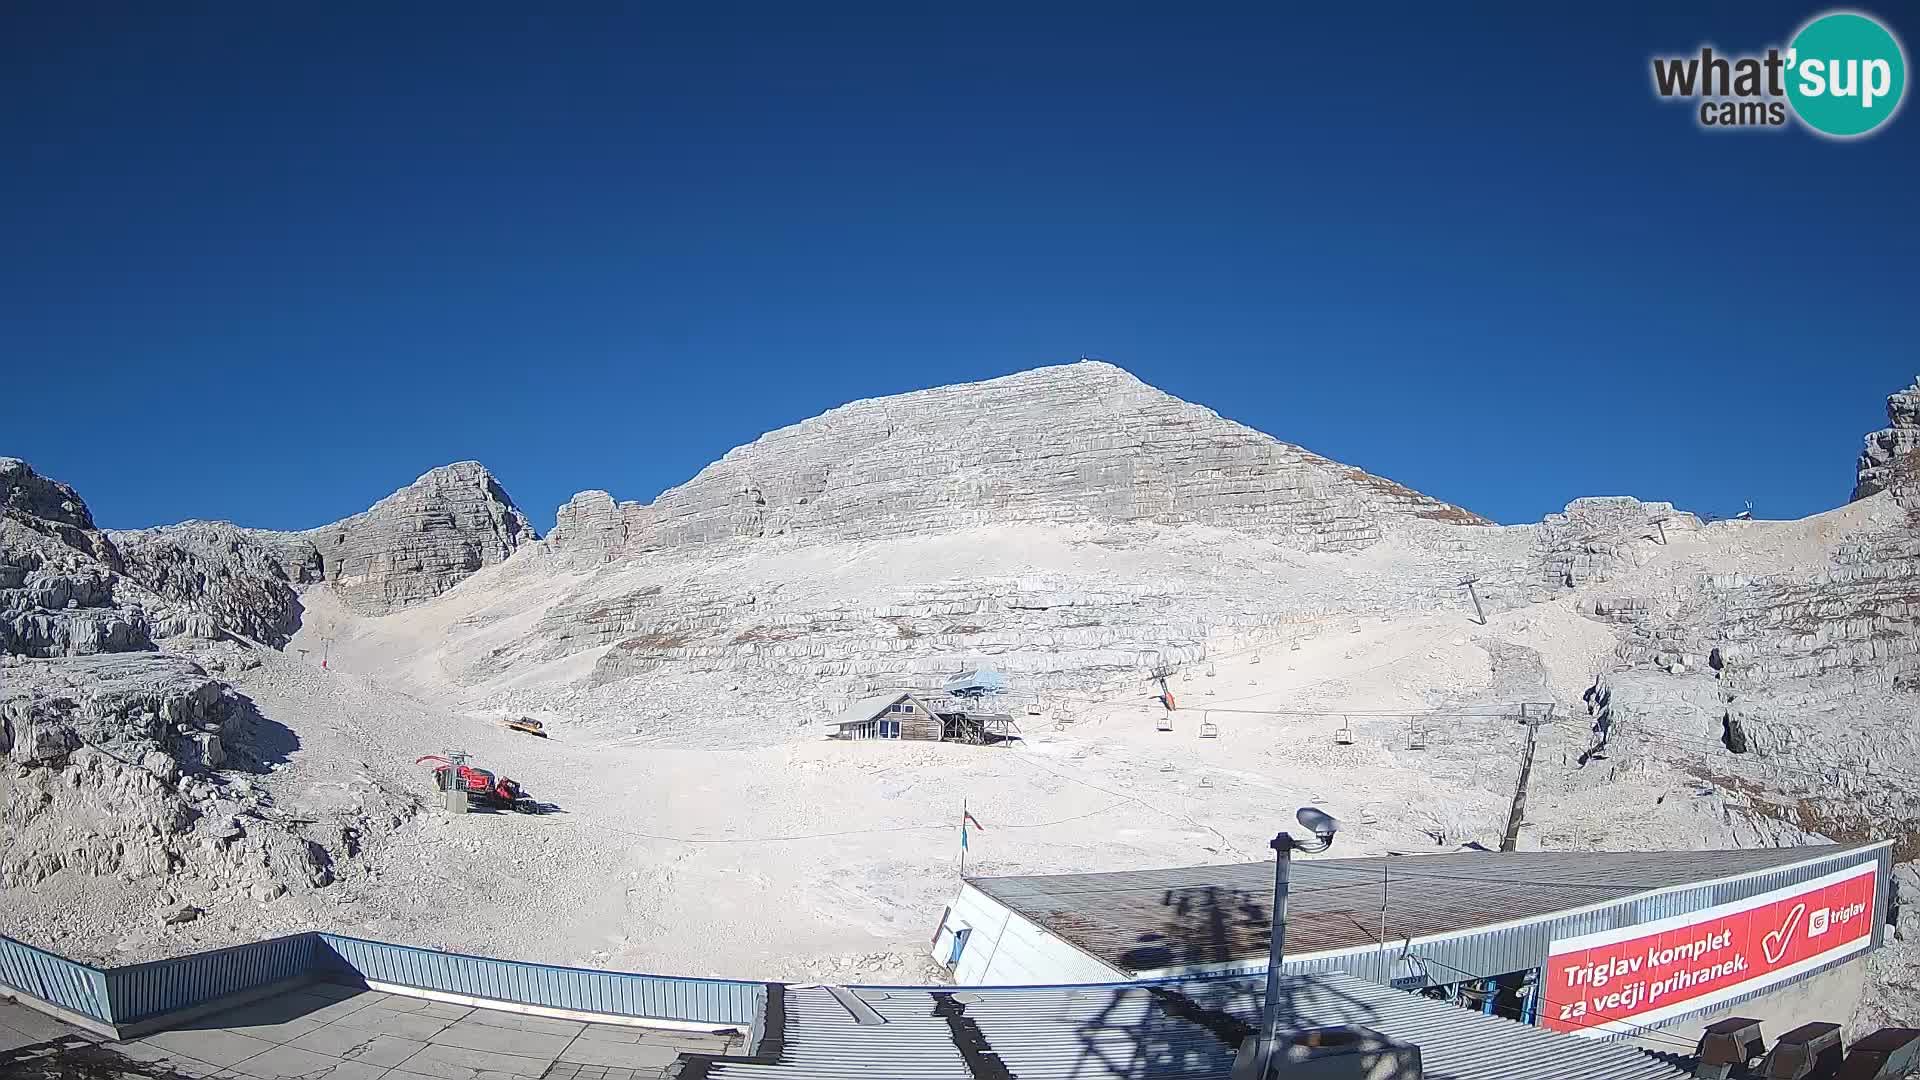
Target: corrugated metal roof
column 865, row 709
column 1149, row 920
column 1174, row 1028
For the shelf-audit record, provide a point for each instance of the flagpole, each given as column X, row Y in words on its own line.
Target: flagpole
column 963, row 838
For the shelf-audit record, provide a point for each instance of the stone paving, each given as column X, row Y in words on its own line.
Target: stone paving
column 343, row 1033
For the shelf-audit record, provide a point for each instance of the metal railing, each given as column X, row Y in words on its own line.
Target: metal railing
column 611, row 993
column 140, row 992
column 55, row 980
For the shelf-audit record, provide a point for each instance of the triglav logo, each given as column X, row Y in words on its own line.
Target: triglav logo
column 1842, row 76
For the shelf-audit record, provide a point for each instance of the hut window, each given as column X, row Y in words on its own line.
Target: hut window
column 889, row 729
column 906, row 707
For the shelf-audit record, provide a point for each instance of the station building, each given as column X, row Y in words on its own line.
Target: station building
column 1600, row 944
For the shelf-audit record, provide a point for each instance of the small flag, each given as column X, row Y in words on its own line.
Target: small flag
column 966, row 818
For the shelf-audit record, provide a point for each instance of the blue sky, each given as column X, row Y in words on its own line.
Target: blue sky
column 268, row 265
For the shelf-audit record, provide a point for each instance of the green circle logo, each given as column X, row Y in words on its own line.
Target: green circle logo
column 1846, row 74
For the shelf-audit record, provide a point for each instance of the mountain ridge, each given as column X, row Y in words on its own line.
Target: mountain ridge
column 1086, row 442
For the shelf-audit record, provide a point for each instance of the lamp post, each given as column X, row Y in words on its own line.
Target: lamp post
column 1267, row 1041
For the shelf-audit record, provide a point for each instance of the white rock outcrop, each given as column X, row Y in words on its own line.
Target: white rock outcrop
column 1891, row 446
column 224, row 572
column 419, row 541
column 1083, row 442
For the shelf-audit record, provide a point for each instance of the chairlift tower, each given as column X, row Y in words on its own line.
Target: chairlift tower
column 1160, row 673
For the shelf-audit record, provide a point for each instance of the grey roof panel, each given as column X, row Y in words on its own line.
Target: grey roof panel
column 1173, row 1028
column 866, row 708
column 1149, row 920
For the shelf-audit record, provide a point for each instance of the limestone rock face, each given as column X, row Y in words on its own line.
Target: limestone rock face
column 1814, row 674
column 419, row 541
column 60, row 582
column 1038, row 630
column 1596, row 538
column 131, row 705
column 51, row 508
column 1890, row 447
column 591, row 527
column 1078, row 443
column 222, row 571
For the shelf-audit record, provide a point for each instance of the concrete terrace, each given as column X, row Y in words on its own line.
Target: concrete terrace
column 344, row 1033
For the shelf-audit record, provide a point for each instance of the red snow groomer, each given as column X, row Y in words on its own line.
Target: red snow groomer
column 483, row 787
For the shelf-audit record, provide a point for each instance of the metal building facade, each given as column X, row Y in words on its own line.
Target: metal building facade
column 1035, row 924
column 1521, row 945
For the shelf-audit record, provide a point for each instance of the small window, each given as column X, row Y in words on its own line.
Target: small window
column 889, row 729
column 906, row 707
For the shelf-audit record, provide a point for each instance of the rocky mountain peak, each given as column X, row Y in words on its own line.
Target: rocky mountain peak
column 1892, row 449
column 421, row 540
column 49, row 507
column 1082, row 442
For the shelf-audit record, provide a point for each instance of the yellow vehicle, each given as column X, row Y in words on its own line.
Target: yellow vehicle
column 529, row 725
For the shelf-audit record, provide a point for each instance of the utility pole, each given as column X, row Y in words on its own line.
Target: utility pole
column 1475, row 597
column 1517, row 814
column 1266, row 1042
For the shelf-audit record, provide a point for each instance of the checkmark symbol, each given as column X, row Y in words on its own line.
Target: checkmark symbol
column 1776, row 943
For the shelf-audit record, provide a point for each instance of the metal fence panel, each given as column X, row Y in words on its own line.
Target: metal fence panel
column 163, row 986
column 55, row 980
column 616, row 993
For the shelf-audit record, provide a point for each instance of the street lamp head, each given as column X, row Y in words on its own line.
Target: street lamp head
column 1319, row 822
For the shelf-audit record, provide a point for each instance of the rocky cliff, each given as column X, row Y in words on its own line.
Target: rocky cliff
column 224, row 572
column 62, row 592
column 1891, row 446
column 34, row 503
column 123, row 757
column 419, row 541
column 1779, row 663
column 78, row 634
column 1083, row 442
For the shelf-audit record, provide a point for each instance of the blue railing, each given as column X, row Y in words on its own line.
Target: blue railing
column 55, row 980
column 146, row 990
column 612, row 993
column 129, row 995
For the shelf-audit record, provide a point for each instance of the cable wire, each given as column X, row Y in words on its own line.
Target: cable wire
column 830, row 835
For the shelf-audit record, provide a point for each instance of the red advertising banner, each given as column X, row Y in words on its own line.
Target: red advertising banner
column 1625, row 978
